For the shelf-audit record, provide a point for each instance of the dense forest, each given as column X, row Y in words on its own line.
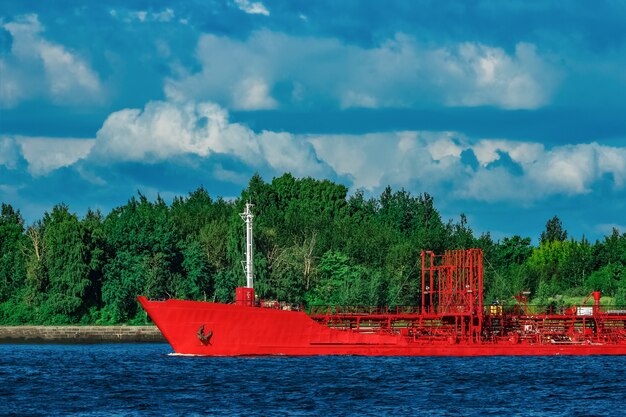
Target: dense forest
column 314, row 244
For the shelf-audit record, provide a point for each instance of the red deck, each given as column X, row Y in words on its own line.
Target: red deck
column 451, row 321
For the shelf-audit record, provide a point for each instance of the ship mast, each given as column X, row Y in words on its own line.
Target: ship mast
column 248, row 266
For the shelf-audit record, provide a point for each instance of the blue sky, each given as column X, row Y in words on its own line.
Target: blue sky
column 510, row 112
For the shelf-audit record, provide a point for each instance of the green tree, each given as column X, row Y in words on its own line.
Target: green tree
column 610, row 250
column 506, row 270
column 338, row 283
column 36, row 281
column 462, row 236
column 123, row 281
column 197, row 281
column 398, row 210
column 12, row 263
column 554, row 231
column 293, row 271
column 66, row 264
column 429, row 231
column 607, row 279
column 95, row 257
column 513, row 250
column 403, row 272
column 143, row 257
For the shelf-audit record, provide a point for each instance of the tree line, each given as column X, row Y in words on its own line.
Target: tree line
column 314, row 244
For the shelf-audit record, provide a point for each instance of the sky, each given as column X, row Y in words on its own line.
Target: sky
column 508, row 112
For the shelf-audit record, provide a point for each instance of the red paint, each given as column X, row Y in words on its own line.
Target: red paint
column 452, row 321
column 244, row 296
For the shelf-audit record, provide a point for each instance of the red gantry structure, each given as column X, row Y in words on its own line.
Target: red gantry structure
column 452, row 320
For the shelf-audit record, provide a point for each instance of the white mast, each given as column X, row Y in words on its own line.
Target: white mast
column 248, row 268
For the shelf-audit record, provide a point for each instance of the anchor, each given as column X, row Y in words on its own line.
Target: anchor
column 204, row 338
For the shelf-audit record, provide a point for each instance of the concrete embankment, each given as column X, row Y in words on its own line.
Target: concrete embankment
column 80, row 334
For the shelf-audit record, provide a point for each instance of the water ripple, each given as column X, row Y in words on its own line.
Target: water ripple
column 143, row 379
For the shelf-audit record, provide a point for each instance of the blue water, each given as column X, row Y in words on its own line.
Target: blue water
column 143, row 379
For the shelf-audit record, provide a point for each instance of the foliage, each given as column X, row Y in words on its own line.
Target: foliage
column 314, row 243
column 554, row 231
column 12, row 261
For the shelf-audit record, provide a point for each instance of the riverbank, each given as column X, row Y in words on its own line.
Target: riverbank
column 80, row 334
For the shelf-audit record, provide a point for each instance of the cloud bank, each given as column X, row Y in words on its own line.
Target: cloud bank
column 192, row 133
column 271, row 69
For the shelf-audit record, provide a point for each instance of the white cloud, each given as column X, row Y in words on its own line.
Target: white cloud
column 12, row 88
column 165, row 130
column 402, row 158
column 486, row 151
column 612, row 161
column 47, row 154
column 561, row 170
column 252, row 94
column 445, row 147
column 486, row 75
column 432, row 161
column 165, row 15
column 572, row 169
column 141, row 15
column 398, row 72
column 67, row 75
column 8, row 152
column 36, row 67
column 252, row 7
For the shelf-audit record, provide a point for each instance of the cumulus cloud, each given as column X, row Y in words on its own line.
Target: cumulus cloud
column 574, row 168
column 403, row 158
column 164, row 130
column 269, row 69
column 48, row 154
column 252, row 7
column 36, row 67
column 488, row 76
column 562, row 170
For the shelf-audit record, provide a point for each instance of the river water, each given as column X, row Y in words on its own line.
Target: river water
column 145, row 379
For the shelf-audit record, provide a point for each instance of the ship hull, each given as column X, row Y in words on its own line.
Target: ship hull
column 215, row 329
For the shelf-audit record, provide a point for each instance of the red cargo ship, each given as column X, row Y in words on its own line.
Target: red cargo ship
column 451, row 320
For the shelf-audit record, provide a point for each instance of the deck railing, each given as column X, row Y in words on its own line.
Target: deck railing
column 319, row 310
column 489, row 310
